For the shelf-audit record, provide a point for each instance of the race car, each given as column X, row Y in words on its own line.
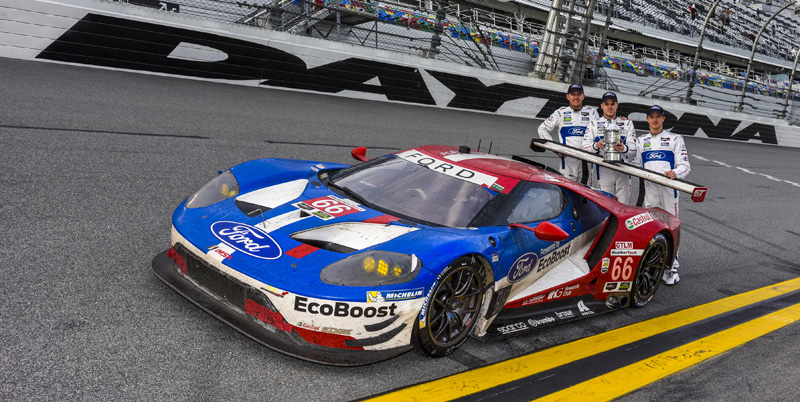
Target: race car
column 420, row 249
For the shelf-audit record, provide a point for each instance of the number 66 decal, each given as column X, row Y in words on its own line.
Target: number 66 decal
column 622, row 270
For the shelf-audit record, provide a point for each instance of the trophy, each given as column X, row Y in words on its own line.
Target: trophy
column 612, row 137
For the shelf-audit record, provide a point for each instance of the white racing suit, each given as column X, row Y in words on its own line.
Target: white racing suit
column 605, row 179
column 660, row 153
column 570, row 125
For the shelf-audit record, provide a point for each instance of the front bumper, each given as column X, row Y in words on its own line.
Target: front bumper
column 285, row 340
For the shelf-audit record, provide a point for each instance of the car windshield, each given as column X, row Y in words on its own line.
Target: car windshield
column 413, row 191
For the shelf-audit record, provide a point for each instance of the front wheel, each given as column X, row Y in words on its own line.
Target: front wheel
column 450, row 314
column 648, row 276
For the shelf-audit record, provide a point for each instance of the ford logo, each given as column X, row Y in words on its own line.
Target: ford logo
column 248, row 239
column 656, row 155
column 522, row 267
column 576, row 131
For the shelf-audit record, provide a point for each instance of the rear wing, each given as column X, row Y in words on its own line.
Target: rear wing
column 697, row 192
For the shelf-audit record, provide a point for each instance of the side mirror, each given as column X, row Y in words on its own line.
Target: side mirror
column 359, row 154
column 544, row 231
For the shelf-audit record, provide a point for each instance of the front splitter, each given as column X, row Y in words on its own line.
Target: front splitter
column 165, row 271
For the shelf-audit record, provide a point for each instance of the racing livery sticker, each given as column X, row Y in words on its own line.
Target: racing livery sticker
column 541, row 321
column 626, row 252
column 382, row 296
column 424, row 310
column 533, row 300
column 604, row 267
column 583, row 309
column 638, row 220
column 511, row 328
column 248, row 239
column 499, row 184
column 220, row 252
column 342, row 309
column 522, row 267
column 562, row 292
column 328, row 207
column 623, row 286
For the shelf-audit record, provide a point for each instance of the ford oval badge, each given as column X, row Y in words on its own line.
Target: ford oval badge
column 522, row 267
column 248, row 239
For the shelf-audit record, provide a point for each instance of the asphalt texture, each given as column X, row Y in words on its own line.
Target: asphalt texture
column 94, row 162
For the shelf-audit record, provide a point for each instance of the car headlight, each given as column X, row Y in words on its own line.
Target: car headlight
column 221, row 188
column 372, row 268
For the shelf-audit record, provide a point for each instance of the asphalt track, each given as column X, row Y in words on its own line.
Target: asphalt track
column 94, row 161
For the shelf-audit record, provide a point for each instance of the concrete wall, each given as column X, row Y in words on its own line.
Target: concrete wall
column 114, row 35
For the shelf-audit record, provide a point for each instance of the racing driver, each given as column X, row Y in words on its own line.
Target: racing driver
column 570, row 122
column 662, row 152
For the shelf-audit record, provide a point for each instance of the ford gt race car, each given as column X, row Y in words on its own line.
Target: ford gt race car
column 421, row 249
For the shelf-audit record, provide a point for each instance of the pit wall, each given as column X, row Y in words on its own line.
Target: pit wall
column 118, row 36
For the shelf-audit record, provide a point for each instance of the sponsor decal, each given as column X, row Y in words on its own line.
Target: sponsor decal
column 542, row 321
column 308, row 326
column 584, row 113
column 653, row 156
column 248, row 239
column 446, row 168
column 699, row 192
column 275, row 291
column 567, row 291
column 336, row 331
column 375, row 297
column 220, row 252
column 564, row 315
column 381, row 296
column 495, row 257
column 550, row 248
column 511, row 328
column 522, row 267
column 626, row 252
column 497, row 187
column 638, row 220
column 646, row 145
column 576, row 131
column 554, row 258
column 622, row 286
column 424, row 309
column 604, row 267
column 329, row 207
column 341, row 309
column 624, row 244
column 533, row 300
column 583, row 309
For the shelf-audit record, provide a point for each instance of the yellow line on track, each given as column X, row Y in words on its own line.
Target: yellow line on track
column 480, row 379
column 629, row 378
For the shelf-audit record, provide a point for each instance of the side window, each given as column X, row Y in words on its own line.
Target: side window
column 537, row 202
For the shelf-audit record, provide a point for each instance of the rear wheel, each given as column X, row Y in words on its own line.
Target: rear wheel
column 648, row 276
column 450, row 314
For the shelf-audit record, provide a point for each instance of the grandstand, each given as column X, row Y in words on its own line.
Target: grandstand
column 647, row 50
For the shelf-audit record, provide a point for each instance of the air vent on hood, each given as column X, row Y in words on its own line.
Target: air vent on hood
column 348, row 237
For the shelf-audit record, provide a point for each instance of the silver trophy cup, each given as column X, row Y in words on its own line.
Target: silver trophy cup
column 612, row 137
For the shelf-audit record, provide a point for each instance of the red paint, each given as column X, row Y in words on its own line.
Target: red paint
column 301, row 251
column 171, row 253
column 266, row 315
column 383, row 219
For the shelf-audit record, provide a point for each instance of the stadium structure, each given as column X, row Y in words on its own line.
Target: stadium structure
column 686, row 51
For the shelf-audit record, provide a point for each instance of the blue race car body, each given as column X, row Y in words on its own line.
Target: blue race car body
column 420, row 249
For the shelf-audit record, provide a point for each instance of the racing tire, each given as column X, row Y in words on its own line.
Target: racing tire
column 651, row 268
column 451, row 312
